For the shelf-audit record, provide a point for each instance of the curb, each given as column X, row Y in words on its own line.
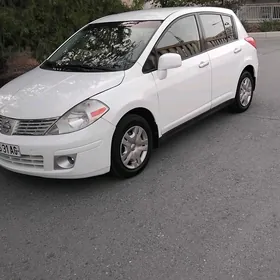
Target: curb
column 273, row 34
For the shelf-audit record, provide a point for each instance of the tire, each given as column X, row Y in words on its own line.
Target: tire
column 245, row 83
column 128, row 142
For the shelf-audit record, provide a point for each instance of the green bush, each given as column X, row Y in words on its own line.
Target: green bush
column 268, row 26
column 42, row 25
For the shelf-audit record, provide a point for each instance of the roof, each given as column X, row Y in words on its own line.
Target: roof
column 154, row 14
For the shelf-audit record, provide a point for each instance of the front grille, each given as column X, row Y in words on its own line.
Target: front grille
column 24, row 160
column 25, row 127
column 36, row 127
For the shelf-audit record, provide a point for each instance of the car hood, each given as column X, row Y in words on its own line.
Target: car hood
column 40, row 94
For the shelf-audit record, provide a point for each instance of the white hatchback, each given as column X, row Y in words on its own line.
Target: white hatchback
column 103, row 100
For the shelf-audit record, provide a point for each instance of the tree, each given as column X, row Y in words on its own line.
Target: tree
column 168, row 3
column 231, row 4
column 42, row 25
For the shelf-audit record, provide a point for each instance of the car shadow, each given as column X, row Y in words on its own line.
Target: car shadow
column 107, row 182
column 196, row 127
column 69, row 185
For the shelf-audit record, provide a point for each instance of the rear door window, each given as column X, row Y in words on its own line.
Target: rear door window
column 214, row 30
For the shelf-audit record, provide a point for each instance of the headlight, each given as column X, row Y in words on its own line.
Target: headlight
column 79, row 117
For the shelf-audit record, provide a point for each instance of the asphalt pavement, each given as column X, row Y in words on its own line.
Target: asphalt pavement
column 206, row 207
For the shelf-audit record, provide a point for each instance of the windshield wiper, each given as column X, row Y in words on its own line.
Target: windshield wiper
column 80, row 67
column 102, row 68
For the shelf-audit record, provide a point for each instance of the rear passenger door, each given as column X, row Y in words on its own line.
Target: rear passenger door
column 225, row 52
column 186, row 91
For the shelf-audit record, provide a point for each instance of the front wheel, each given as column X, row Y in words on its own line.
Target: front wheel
column 131, row 146
column 244, row 93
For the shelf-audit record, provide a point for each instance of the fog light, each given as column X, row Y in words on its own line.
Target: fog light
column 64, row 162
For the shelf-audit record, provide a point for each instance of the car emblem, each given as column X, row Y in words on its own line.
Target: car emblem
column 6, row 126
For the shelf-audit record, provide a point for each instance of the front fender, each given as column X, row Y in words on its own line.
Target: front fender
column 140, row 92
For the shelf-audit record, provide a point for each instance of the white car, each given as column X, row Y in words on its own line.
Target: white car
column 104, row 99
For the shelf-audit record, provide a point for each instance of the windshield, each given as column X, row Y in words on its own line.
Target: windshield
column 110, row 46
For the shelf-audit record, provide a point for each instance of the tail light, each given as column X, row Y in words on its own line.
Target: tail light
column 251, row 41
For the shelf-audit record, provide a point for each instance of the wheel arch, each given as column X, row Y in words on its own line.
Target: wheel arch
column 250, row 68
column 149, row 117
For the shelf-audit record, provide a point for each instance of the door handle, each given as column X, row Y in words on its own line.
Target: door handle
column 203, row 64
column 237, row 50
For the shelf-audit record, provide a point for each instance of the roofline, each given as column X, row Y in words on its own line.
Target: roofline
column 173, row 11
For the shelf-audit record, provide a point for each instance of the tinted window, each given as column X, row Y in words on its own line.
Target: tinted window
column 151, row 62
column 229, row 28
column 109, row 46
column 214, row 30
column 182, row 38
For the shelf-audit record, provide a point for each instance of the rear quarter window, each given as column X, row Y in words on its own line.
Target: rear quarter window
column 229, row 28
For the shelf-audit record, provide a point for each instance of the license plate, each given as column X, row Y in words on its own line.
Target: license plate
column 10, row 150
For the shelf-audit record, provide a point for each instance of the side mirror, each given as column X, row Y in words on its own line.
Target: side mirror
column 168, row 61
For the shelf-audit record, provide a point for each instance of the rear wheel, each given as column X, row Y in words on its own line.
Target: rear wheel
column 131, row 146
column 244, row 93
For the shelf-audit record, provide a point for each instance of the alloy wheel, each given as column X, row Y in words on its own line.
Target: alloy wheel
column 134, row 147
column 245, row 92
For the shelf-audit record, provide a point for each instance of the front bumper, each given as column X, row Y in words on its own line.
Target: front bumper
column 92, row 146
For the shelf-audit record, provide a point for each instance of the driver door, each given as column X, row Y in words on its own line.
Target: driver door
column 186, row 91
